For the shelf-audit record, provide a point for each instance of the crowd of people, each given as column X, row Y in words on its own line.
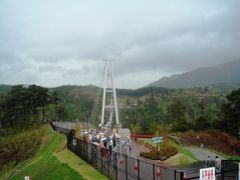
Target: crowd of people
column 112, row 141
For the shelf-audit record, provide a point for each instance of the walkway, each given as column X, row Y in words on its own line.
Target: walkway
column 136, row 149
column 201, row 154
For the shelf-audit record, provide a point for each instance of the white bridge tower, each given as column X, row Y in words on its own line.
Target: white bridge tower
column 109, row 100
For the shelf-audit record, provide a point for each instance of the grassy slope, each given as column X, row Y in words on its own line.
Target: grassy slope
column 184, row 157
column 79, row 165
column 183, row 151
column 45, row 165
column 179, row 160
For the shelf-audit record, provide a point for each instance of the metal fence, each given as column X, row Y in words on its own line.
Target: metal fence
column 120, row 167
column 229, row 171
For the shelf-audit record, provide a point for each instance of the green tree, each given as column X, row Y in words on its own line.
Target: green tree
column 149, row 115
column 202, row 123
column 135, row 128
column 44, row 100
column 23, row 105
column 177, row 116
column 231, row 113
column 61, row 113
column 2, row 108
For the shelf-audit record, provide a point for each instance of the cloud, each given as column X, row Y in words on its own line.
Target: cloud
column 64, row 42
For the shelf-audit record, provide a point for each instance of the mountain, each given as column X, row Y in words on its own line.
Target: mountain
column 5, row 88
column 223, row 74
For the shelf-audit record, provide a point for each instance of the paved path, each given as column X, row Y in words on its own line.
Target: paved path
column 136, row 149
column 201, row 154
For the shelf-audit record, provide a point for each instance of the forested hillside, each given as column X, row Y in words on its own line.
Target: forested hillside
column 144, row 110
column 148, row 109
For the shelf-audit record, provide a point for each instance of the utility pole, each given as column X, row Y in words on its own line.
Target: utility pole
column 109, row 101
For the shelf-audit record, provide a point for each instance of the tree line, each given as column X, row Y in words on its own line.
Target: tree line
column 24, row 107
column 185, row 113
column 150, row 109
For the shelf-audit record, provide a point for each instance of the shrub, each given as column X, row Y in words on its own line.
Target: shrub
column 150, row 155
column 7, row 132
column 166, row 151
column 18, row 147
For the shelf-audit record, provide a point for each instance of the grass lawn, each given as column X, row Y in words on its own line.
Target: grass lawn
column 182, row 150
column 183, row 158
column 179, row 160
column 50, row 165
column 79, row 165
column 48, row 168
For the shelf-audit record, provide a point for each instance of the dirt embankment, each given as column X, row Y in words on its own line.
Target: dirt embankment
column 213, row 139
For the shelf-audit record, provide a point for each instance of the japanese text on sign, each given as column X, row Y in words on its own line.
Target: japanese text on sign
column 207, row 173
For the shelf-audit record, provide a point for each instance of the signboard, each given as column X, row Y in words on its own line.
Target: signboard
column 207, row 173
column 156, row 140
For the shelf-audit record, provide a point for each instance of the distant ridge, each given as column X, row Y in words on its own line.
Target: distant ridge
column 227, row 73
column 5, row 88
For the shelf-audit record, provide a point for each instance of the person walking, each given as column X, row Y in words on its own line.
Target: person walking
column 208, row 162
column 218, row 164
column 129, row 147
column 110, row 147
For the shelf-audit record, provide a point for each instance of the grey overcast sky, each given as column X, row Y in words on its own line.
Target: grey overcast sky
column 57, row 42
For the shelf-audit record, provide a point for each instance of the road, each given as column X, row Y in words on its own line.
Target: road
column 201, row 153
